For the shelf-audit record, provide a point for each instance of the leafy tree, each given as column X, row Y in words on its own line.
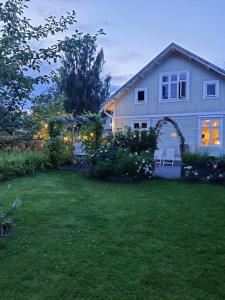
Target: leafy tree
column 45, row 107
column 18, row 58
column 80, row 75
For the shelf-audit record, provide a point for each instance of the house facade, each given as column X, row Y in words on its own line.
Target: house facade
column 182, row 86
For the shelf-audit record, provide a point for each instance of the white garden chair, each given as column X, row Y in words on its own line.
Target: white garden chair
column 79, row 151
column 169, row 158
column 158, row 156
column 79, row 154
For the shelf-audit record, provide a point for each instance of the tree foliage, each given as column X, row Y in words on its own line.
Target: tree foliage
column 81, row 74
column 46, row 106
column 18, row 58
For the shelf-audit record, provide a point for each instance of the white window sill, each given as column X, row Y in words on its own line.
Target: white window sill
column 211, row 147
column 141, row 102
column 173, row 100
column 211, row 98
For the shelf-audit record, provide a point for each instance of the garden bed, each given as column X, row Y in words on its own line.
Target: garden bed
column 202, row 167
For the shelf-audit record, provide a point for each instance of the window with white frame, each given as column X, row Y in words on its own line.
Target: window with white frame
column 140, row 125
column 210, row 132
column 211, row 89
column 140, row 95
column 174, row 86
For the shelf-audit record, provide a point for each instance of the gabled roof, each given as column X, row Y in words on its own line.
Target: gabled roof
column 155, row 62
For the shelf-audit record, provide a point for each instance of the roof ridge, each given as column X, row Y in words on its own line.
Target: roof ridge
column 162, row 54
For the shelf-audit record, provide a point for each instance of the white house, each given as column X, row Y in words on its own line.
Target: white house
column 182, row 86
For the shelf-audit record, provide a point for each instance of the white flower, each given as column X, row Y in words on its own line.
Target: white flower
column 105, row 150
column 196, row 173
column 143, row 161
column 220, row 175
column 135, row 163
column 135, row 153
column 208, row 177
column 188, row 167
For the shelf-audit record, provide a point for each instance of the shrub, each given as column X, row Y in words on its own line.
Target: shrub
column 109, row 161
column 60, row 152
column 200, row 160
column 92, row 132
column 134, row 140
column 204, row 167
column 15, row 163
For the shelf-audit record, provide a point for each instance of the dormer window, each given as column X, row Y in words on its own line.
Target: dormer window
column 211, row 89
column 141, row 95
column 174, row 86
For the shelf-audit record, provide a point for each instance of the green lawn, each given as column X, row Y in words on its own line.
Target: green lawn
column 76, row 238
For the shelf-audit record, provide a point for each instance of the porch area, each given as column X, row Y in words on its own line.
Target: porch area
column 168, row 171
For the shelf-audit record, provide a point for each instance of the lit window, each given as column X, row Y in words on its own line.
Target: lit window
column 140, row 125
column 211, row 89
column 140, row 95
column 211, row 132
column 174, row 86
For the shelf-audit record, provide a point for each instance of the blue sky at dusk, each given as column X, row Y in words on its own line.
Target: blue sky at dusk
column 138, row 30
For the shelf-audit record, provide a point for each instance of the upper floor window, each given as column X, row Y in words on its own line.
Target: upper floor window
column 141, row 95
column 211, row 89
column 210, row 132
column 174, row 86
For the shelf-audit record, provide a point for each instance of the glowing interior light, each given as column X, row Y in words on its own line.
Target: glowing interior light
column 173, row 134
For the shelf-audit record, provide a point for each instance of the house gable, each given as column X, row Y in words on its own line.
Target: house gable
column 179, row 60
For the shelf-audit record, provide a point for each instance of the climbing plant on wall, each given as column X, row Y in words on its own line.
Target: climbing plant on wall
column 159, row 125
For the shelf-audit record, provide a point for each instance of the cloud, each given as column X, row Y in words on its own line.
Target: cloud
column 119, row 80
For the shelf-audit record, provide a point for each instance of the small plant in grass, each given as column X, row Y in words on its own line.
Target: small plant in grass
column 5, row 216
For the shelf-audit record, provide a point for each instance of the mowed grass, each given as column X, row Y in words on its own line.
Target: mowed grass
column 76, row 238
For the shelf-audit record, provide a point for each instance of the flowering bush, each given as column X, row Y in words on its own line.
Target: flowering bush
column 203, row 167
column 111, row 161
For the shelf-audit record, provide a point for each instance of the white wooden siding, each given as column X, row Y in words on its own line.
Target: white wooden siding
column 189, row 128
column 198, row 74
column 126, row 110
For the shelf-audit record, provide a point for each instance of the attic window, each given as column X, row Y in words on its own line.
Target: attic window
column 141, row 95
